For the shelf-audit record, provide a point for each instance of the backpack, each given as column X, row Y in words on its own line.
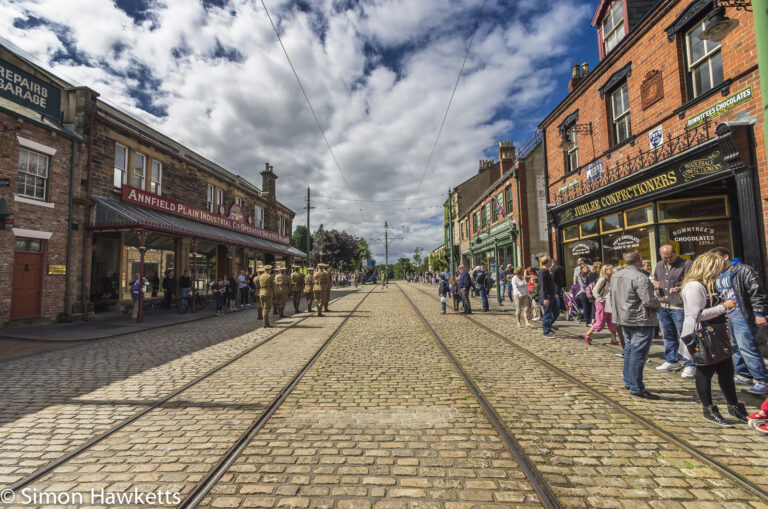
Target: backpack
column 488, row 283
column 588, row 291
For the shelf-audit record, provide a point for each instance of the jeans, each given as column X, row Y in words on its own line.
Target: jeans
column 509, row 290
column 551, row 312
column 484, row 298
column 465, row 300
column 671, row 324
column 747, row 359
column 442, row 302
column 244, row 296
column 637, row 342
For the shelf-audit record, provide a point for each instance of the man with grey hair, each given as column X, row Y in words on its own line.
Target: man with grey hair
column 668, row 282
column 634, row 307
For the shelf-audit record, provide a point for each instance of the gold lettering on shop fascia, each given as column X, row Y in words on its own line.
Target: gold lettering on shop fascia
column 628, row 193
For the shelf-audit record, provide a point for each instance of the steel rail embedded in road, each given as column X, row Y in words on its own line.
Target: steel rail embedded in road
column 37, row 474
column 657, row 430
column 543, row 489
column 214, row 474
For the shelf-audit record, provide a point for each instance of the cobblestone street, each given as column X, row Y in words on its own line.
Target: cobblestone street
column 380, row 419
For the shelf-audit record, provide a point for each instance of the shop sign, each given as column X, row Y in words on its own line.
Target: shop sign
column 626, row 242
column 720, row 108
column 656, row 138
column 701, row 234
column 568, row 185
column 28, row 91
column 233, row 221
column 668, row 179
column 580, row 249
column 8, row 222
column 5, row 182
column 57, row 270
column 594, row 170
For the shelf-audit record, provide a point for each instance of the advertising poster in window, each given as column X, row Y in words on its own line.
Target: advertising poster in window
column 594, row 171
column 616, row 244
column 694, row 238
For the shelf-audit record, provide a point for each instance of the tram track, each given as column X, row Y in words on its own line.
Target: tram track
column 528, row 466
column 89, row 444
column 695, row 452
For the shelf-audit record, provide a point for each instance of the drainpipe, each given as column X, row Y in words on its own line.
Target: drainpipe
column 760, row 15
column 85, row 225
column 516, row 175
column 65, row 315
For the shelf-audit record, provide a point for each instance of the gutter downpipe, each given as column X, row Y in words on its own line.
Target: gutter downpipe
column 65, row 316
column 85, row 235
column 760, row 16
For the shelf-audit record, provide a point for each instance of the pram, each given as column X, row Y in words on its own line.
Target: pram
column 572, row 309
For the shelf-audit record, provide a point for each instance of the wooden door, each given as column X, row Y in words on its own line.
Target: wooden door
column 26, row 301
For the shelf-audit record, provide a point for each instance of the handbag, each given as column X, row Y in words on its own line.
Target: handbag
column 710, row 342
column 442, row 299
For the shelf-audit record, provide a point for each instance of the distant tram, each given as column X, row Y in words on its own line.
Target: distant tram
column 368, row 270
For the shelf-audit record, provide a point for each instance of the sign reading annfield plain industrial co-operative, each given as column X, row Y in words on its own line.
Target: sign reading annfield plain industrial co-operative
column 28, row 91
column 234, row 221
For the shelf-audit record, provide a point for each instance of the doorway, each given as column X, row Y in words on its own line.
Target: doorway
column 27, row 279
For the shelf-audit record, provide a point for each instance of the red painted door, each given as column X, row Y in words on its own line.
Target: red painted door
column 26, row 300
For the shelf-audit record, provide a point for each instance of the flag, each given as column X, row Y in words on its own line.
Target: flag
column 499, row 208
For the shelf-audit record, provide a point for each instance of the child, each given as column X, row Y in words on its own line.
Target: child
column 218, row 289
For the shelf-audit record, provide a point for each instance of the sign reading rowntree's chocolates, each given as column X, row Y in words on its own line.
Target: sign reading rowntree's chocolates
column 234, row 221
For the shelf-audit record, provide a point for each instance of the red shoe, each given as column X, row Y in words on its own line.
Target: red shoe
column 615, row 343
column 586, row 338
column 761, row 427
column 756, row 419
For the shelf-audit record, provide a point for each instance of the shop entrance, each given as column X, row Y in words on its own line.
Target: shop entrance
column 27, row 279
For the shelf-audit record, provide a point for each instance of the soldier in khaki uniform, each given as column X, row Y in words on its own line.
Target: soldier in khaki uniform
column 327, row 291
column 256, row 286
column 309, row 288
column 322, row 280
column 266, row 292
column 297, row 284
column 282, row 288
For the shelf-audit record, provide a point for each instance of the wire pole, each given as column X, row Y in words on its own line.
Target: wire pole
column 386, row 246
column 309, row 239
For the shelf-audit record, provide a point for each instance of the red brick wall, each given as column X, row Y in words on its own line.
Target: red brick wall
column 653, row 51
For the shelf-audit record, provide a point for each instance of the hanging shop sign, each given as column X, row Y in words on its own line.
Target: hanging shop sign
column 28, row 91
column 234, row 220
column 720, row 108
column 665, row 180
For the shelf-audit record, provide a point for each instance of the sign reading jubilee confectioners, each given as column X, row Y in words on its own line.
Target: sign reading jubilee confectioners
column 233, row 221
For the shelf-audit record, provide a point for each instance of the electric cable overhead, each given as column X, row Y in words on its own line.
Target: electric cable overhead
column 447, row 109
column 306, row 97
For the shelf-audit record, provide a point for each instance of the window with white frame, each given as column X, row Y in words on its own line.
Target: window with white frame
column 282, row 223
column 33, row 174
column 219, row 197
column 704, row 62
column 258, row 217
column 139, row 170
column 156, row 181
column 238, row 201
column 209, row 197
column 572, row 154
column 121, row 165
column 620, row 118
column 613, row 27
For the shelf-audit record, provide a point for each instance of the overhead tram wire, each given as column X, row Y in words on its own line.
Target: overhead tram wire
column 311, row 109
column 450, row 101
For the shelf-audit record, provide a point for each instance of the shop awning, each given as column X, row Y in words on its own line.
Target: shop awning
column 113, row 214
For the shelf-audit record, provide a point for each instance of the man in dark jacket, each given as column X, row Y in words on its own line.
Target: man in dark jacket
column 558, row 277
column 465, row 283
column 668, row 282
column 169, row 288
column 548, row 298
column 741, row 283
column 481, row 277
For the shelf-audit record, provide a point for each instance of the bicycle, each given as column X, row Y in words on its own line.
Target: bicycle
column 184, row 303
column 201, row 301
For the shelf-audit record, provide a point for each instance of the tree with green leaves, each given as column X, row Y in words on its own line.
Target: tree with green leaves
column 402, row 267
column 299, row 238
column 338, row 249
column 364, row 252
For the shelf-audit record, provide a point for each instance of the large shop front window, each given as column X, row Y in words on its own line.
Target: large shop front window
column 33, row 174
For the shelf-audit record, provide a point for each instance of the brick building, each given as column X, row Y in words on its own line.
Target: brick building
column 662, row 142
column 506, row 224
column 85, row 188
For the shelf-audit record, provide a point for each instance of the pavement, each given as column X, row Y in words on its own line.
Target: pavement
column 382, row 420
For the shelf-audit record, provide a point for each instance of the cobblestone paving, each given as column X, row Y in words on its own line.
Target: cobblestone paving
column 592, row 455
column 382, row 420
column 52, row 403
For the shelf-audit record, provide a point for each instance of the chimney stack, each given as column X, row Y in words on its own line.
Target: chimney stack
column 575, row 77
column 506, row 156
column 268, row 179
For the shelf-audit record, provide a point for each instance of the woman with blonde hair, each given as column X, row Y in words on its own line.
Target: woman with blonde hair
column 521, row 296
column 601, row 292
column 701, row 307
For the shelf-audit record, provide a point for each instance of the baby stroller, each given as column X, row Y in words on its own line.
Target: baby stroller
column 572, row 309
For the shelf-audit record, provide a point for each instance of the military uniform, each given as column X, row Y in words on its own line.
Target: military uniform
column 322, row 285
column 297, row 284
column 282, row 288
column 256, row 286
column 327, row 291
column 309, row 288
column 266, row 293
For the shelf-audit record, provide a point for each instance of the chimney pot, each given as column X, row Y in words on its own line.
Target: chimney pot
column 584, row 69
column 575, row 71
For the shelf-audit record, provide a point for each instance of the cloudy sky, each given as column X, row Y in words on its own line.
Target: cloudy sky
column 379, row 75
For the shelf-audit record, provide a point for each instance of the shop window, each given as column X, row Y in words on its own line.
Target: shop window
column 258, row 217
column 589, row 228
column 587, row 248
column 33, row 174
column 613, row 27
column 704, row 62
column 139, row 170
column 639, row 239
column 695, row 208
column 209, row 197
column 693, row 238
column 572, row 154
column 28, row 245
column 638, row 216
column 611, row 223
column 156, row 183
column 121, row 166
column 620, row 117
column 571, row 233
